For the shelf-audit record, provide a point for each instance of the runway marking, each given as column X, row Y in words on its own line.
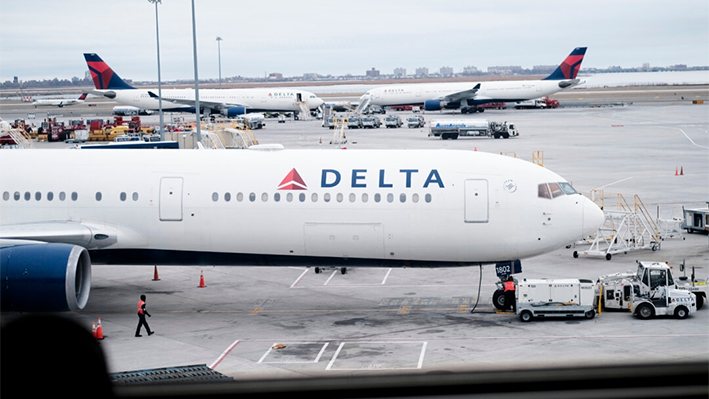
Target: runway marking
column 255, row 311
column 692, row 141
column 316, row 359
column 378, row 366
column 224, row 354
column 302, row 275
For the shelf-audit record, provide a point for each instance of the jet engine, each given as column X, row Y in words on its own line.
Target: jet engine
column 44, row 277
column 432, row 105
column 233, row 111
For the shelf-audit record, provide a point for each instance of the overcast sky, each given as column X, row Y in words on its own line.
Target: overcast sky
column 43, row 39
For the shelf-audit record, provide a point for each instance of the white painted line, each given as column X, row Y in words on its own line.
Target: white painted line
column 334, row 272
column 384, row 281
column 692, row 141
column 423, row 352
column 302, row 275
column 224, row 354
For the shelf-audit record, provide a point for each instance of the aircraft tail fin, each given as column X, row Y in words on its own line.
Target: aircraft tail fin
column 570, row 67
column 102, row 74
column 82, row 97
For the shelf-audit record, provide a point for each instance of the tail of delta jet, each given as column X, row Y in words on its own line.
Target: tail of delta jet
column 570, row 67
column 102, row 74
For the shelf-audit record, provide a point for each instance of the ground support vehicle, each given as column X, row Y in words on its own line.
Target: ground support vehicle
column 354, row 122
column 371, row 122
column 541, row 298
column 415, row 121
column 452, row 129
column 393, row 121
column 537, row 103
column 696, row 220
column 651, row 291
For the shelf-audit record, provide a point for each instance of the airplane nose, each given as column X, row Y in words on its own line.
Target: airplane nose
column 316, row 102
column 593, row 218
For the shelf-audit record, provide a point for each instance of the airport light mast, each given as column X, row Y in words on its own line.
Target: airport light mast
column 196, row 78
column 219, row 51
column 157, row 34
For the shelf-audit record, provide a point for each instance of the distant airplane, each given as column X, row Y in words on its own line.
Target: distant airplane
column 60, row 102
column 228, row 102
column 466, row 96
column 267, row 206
column 127, row 110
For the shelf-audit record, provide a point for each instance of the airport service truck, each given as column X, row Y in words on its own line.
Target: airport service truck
column 537, row 103
column 650, row 291
column 454, row 128
column 543, row 298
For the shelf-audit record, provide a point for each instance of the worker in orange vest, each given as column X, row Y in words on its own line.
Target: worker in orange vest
column 141, row 318
column 510, row 294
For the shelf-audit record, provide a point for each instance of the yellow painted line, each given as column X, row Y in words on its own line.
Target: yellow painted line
column 404, row 310
column 255, row 311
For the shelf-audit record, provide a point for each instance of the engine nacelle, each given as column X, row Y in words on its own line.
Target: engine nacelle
column 233, row 111
column 432, row 105
column 44, row 277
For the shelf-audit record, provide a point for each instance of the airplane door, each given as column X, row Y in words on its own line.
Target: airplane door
column 476, row 201
column 171, row 199
column 299, row 97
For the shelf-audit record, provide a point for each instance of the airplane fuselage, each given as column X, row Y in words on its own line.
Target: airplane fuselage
column 290, row 207
column 495, row 91
column 254, row 100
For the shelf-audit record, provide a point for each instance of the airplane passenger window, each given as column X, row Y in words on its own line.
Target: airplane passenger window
column 27, row 195
column 37, row 196
column 301, row 197
column 123, row 196
column 50, row 196
column 415, row 198
column 227, row 197
column 277, row 197
column 402, row 198
column 98, row 196
column 568, row 188
column 252, row 197
column 377, row 197
column 314, row 197
column 428, row 198
column 135, row 196
column 62, row 196
column 390, row 198
column 555, row 190
column 353, row 197
column 544, row 191
column 264, row 197
column 5, row 196
column 74, row 196
column 17, row 196
column 326, row 197
column 365, row 197
column 289, row 197
column 340, row 197
column 215, row 197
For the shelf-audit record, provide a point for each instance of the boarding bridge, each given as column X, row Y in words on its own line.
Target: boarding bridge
column 627, row 228
column 363, row 105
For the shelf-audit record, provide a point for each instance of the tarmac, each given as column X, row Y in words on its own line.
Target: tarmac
column 270, row 323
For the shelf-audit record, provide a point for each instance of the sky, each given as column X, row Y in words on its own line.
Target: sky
column 44, row 39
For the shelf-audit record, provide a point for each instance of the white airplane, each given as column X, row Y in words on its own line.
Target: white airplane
column 467, row 95
column 60, row 102
column 326, row 208
column 228, row 102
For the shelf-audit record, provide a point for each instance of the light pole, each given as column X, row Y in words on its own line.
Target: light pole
column 157, row 34
column 219, row 48
column 196, row 77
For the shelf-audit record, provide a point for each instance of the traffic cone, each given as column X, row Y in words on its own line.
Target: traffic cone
column 155, row 274
column 201, row 279
column 676, row 171
column 681, row 171
column 99, row 330
column 320, row 140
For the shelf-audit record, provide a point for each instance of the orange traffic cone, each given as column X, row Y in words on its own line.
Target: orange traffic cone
column 681, row 171
column 99, row 330
column 320, row 140
column 201, row 279
column 155, row 274
column 676, row 174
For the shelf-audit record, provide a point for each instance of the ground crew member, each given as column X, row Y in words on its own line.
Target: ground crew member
column 510, row 294
column 141, row 318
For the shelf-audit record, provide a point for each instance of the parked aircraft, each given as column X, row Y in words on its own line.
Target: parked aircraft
column 228, row 102
column 466, row 96
column 267, row 206
column 128, row 110
column 60, row 102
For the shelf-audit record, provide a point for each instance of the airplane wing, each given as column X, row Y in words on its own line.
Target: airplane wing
column 85, row 234
column 465, row 94
column 202, row 103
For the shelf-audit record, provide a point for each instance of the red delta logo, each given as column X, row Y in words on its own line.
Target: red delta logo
column 293, row 181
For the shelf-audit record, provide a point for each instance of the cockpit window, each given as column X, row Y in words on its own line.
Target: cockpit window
column 553, row 190
column 568, row 188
